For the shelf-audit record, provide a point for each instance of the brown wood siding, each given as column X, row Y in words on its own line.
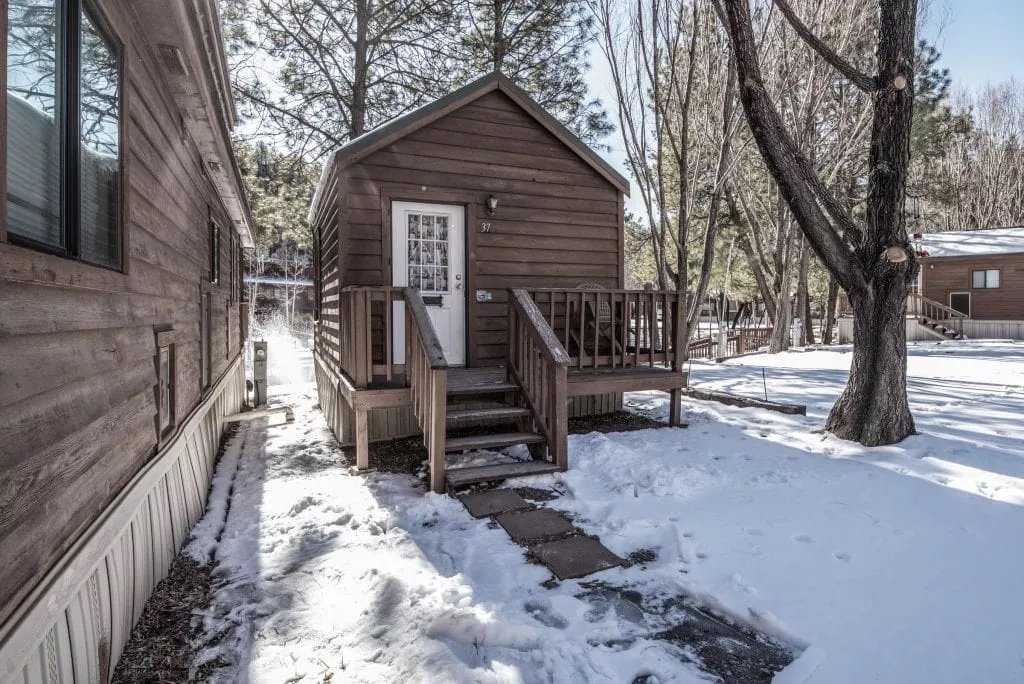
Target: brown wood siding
column 942, row 276
column 77, row 344
column 558, row 223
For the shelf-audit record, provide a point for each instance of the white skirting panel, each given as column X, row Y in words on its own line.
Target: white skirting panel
column 74, row 625
column 974, row 329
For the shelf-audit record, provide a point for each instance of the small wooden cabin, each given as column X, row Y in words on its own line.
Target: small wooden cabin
column 469, row 260
column 979, row 273
column 121, row 320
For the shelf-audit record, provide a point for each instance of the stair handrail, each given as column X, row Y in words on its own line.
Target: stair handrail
column 538, row 362
column 936, row 311
column 426, row 372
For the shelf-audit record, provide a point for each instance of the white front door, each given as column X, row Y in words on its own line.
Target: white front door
column 428, row 252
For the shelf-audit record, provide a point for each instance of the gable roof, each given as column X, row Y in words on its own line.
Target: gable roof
column 982, row 242
column 401, row 126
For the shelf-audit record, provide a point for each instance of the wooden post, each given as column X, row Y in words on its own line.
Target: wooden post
column 559, row 447
column 362, row 440
column 361, row 376
column 435, row 449
column 741, row 342
column 675, row 407
column 680, row 341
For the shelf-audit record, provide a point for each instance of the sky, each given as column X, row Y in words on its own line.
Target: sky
column 980, row 41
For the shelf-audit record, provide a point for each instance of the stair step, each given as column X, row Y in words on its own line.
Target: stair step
column 499, row 439
column 482, row 388
column 495, row 413
column 458, row 477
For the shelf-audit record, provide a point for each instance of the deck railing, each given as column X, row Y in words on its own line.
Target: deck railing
column 919, row 305
column 427, row 376
column 538, row 363
column 738, row 341
column 613, row 328
column 365, row 332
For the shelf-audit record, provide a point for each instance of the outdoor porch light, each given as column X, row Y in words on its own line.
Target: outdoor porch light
column 492, row 205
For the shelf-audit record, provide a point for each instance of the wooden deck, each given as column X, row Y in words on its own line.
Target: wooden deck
column 623, row 341
column 580, row 381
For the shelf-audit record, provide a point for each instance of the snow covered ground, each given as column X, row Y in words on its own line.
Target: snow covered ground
column 894, row 564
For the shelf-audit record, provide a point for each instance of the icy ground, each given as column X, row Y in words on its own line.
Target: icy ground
column 895, row 564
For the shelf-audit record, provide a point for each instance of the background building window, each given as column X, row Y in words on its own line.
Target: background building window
column 64, row 129
column 985, row 279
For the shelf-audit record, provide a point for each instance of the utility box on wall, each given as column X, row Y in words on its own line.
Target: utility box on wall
column 259, row 373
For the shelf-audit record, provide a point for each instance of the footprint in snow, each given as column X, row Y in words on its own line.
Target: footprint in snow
column 754, row 532
column 803, row 538
column 841, row 556
column 701, row 555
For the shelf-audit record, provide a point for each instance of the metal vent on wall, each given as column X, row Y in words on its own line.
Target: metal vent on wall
column 173, row 60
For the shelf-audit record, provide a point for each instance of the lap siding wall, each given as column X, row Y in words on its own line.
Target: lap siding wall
column 77, row 342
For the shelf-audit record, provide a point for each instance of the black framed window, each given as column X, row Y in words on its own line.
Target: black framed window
column 63, row 131
column 987, row 279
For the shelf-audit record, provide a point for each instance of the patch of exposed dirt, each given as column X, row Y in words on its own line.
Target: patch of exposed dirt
column 619, row 421
column 725, row 649
column 161, row 647
column 536, row 494
column 641, row 557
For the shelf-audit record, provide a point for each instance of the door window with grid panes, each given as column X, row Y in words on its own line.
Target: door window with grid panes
column 428, row 252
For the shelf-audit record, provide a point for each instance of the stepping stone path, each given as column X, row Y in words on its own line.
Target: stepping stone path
column 495, row 501
column 548, row 535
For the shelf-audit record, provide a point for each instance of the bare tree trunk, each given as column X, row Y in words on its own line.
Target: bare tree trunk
column 872, row 261
column 360, row 74
column 803, row 305
column 830, row 311
column 783, row 321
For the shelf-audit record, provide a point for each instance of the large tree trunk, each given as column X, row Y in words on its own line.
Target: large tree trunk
column 873, row 261
column 873, row 409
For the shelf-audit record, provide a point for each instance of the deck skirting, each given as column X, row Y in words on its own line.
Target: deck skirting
column 74, row 624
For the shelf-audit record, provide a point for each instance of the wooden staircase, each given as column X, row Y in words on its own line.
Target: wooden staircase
column 935, row 318
column 530, row 393
column 939, row 329
column 503, row 410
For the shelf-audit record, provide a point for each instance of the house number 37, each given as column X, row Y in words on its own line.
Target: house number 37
column 485, row 227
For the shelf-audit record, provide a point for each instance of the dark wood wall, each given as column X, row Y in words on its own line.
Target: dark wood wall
column 77, row 342
column 558, row 223
column 941, row 276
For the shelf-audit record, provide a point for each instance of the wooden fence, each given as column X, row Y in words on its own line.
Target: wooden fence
column 739, row 341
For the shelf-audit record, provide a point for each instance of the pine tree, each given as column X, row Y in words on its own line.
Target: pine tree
column 935, row 125
column 542, row 46
column 316, row 73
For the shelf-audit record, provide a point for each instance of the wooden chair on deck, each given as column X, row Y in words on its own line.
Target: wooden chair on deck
column 600, row 316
